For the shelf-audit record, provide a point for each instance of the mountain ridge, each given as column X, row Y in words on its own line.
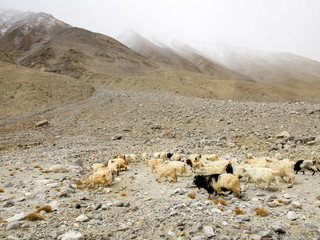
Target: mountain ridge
column 46, row 44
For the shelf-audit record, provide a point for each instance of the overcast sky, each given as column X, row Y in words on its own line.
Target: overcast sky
column 271, row 25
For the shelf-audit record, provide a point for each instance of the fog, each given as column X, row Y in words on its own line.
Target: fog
column 270, row 25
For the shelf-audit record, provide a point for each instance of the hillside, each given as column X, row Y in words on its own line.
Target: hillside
column 286, row 70
column 40, row 42
column 26, row 91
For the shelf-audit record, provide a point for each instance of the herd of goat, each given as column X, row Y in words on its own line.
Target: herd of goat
column 212, row 173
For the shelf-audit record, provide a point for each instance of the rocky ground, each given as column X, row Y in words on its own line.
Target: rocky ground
column 135, row 206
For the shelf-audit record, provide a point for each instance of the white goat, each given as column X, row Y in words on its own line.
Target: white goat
column 181, row 167
column 260, row 175
column 165, row 170
column 154, row 162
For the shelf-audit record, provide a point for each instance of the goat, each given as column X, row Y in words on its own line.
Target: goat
column 163, row 155
column 215, row 183
column 181, row 167
column 100, row 177
column 176, row 157
column 154, row 162
column 303, row 165
column 262, row 175
column 284, row 168
column 194, row 164
column 165, row 170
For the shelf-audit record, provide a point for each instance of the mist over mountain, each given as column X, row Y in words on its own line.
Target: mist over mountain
column 279, row 68
column 282, row 69
column 42, row 43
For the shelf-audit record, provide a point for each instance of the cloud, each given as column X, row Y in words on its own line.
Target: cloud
column 272, row 25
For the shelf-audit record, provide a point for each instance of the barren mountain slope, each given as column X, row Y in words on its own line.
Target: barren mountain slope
column 49, row 45
column 157, row 53
column 186, row 57
column 24, row 90
column 285, row 70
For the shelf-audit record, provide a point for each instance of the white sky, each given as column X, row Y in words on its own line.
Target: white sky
column 271, row 25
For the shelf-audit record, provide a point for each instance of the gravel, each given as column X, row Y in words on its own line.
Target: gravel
column 135, row 206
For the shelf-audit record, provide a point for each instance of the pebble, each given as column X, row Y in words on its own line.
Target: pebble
column 82, row 218
column 8, row 204
column 13, row 225
column 277, row 227
column 291, row 215
column 17, row 217
column 287, row 196
column 41, row 123
column 208, row 231
column 9, row 185
column 72, row 235
column 296, row 204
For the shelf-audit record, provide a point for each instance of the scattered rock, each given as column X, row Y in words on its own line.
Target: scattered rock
column 58, row 168
column 17, row 217
column 72, row 235
column 82, row 218
column 13, row 225
column 208, row 231
column 291, row 215
column 277, row 227
column 41, row 123
column 8, row 204
column 117, row 137
column 296, row 204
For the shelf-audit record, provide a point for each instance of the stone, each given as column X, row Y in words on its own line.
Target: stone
column 17, row 217
column 98, row 206
column 78, row 163
column 180, row 191
column 311, row 226
column 243, row 218
column 58, row 168
column 119, row 204
column 208, row 231
column 54, row 234
column 117, row 137
column 12, row 238
column 8, row 204
column 41, row 123
column 9, row 185
column 287, row 196
column 276, row 227
column 63, row 193
column 273, row 204
column 284, row 134
column 72, row 235
column 13, row 225
column 266, row 234
column 296, row 204
column 82, row 218
column 291, row 215
column 311, row 143
column 54, row 205
column 216, row 210
column 274, row 148
column 255, row 237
